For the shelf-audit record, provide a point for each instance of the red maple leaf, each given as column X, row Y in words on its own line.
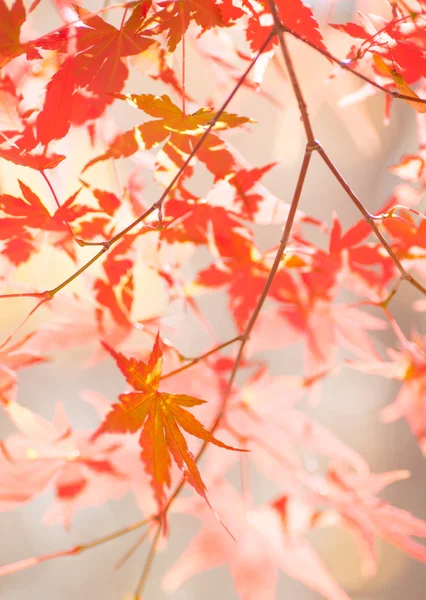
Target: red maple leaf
column 83, row 86
column 355, row 497
column 28, row 213
column 294, row 15
column 192, row 219
column 17, row 145
column 396, row 50
column 242, row 269
column 243, row 181
column 408, row 237
column 31, row 159
column 174, row 17
column 11, row 21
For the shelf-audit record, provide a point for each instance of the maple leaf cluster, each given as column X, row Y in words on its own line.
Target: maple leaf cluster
column 328, row 288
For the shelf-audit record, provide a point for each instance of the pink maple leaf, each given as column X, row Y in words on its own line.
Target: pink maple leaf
column 260, row 549
column 49, row 453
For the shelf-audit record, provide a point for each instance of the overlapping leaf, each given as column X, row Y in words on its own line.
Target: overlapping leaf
column 241, row 268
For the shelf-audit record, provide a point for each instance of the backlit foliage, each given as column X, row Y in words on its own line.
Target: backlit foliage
column 59, row 91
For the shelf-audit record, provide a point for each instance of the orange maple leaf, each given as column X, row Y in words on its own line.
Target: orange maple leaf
column 169, row 121
column 400, row 82
column 161, row 417
column 11, row 20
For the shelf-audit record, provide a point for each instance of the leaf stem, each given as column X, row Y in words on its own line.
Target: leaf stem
column 132, row 549
column 148, row 564
column 55, row 197
column 193, row 361
column 183, row 63
column 22, row 323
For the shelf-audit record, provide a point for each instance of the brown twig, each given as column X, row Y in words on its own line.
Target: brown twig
column 148, row 564
column 35, row 560
column 293, row 77
column 346, row 65
column 370, row 220
column 132, row 549
column 193, row 361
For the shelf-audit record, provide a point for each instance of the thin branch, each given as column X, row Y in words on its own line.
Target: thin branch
column 394, row 209
column 346, row 65
column 371, row 221
column 317, row 146
column 385, row 302
column 132, row 549
column 35, row 560
column 148, row 564
column 395, row 21
column 193, row 361
column 25, row 295
column 64, row 221
column 22, row 323
column 55, row 197
column 293, row 77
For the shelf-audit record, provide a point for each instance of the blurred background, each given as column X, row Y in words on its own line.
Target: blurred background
column 362, row 146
